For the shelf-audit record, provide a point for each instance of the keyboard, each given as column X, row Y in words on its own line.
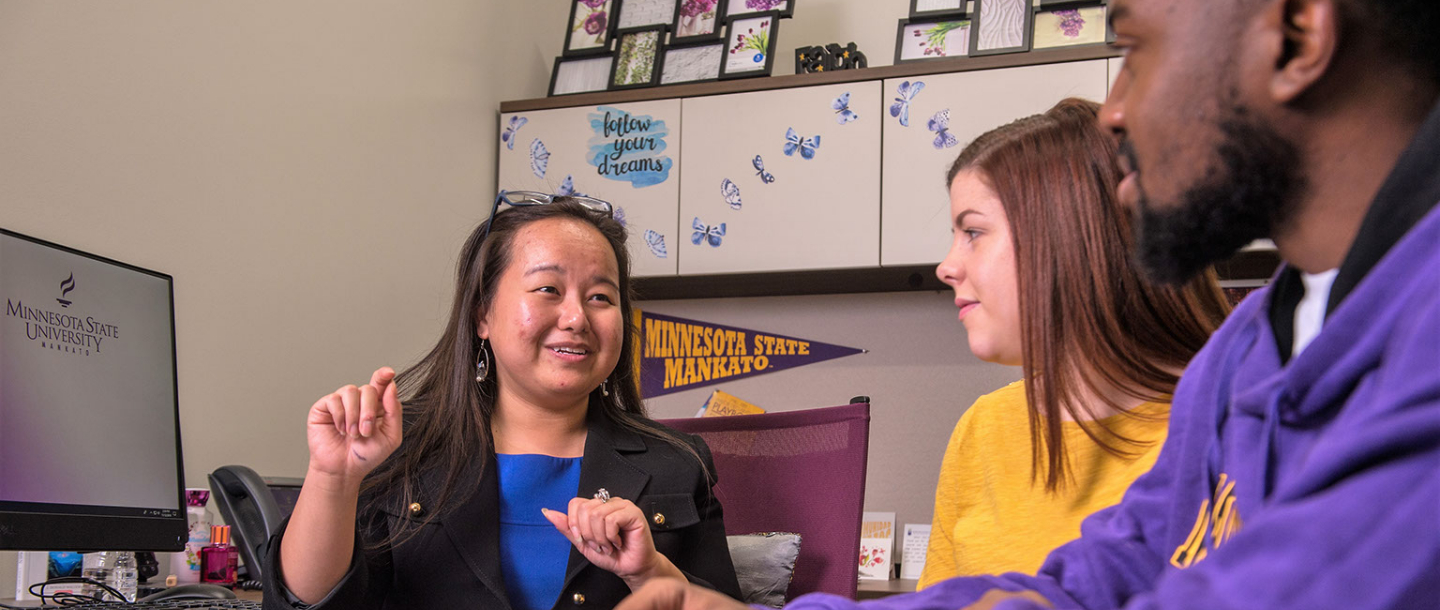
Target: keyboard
column 167, row 604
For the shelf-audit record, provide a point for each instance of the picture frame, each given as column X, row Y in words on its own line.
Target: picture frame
column 586, row 74
column 1070, row 23
column 932, row 9
column 745, row 36
column 1001, row 26
column 638, row 56
column 590, row 27
column 916, row 39
column 691, row 27
column 635, row 14
column 750, row 8
column 693, row 63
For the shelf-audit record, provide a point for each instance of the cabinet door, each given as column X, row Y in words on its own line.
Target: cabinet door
column 799, row 213
column 916, row 201
column 1113, row 64
column 625, row 154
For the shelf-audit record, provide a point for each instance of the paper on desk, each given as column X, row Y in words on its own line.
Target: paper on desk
column 720, row 404
column 877, row 546
column 912, row 558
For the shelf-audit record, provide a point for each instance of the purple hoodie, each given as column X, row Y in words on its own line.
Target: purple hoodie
column 1309, row 484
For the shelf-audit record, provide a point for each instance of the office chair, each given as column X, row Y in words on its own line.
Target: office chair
column 795, row 471
column 245, row 502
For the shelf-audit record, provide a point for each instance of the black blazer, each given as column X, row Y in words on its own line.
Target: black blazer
column 454, row 562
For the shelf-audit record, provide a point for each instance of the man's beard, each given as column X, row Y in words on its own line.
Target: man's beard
column 1247, row 195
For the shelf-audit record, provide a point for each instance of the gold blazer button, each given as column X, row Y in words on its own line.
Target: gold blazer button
column 416, row 510
column 579, row 599
column 659, row 519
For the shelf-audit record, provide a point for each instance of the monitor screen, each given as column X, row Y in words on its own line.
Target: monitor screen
column 89, row 417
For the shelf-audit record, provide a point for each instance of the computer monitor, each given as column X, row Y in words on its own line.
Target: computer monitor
column 89, row 414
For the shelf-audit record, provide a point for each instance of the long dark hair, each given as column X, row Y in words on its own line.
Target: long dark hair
column 447, row 413
column 1087, row 318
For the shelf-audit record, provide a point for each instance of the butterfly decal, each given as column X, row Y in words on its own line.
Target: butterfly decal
column 656, row 242
column 940, row 124
column 759, row 164
column 567, row 188
column 731, row 193
column 619, row 214
column 508, row 136
column 807, row 146
column 704, row 232
column 539, row 158
column 843, row 113
column 901, row 108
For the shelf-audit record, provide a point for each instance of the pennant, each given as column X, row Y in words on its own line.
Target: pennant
column 678, row 354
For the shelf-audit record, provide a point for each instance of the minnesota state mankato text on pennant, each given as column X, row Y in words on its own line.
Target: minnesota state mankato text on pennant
column 679, row 354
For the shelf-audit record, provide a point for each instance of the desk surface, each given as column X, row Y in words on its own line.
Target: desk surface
column 875, row 589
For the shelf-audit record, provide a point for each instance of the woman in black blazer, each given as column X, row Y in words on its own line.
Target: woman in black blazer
column 537, row 361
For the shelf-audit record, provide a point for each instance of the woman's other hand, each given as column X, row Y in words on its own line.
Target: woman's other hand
column 614, row 536
column 351, row 430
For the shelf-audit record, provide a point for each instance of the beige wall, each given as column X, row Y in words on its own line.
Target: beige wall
column 307, row 171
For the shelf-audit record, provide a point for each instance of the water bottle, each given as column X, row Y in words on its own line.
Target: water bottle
column 114, row 568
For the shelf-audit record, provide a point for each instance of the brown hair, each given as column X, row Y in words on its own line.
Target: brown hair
column 1087, row 318
column 447, row 414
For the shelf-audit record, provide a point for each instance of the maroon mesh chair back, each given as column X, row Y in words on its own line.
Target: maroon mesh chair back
column 795, row 471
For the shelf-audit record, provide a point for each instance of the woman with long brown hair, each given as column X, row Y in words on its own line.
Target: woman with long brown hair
column 1042, row 276
column 513, row 466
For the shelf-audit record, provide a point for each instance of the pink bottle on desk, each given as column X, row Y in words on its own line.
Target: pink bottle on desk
column 218, row 562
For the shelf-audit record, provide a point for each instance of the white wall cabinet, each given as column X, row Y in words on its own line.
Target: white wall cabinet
column 799, row 213
column 627, row 154
column 915, row 200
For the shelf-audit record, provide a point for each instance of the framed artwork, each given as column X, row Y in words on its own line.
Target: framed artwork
column 749, row 45
column 735, row 8
column 697, row 21
column 922, row 9
column 591, row 22
column 645, row 13
column 638, row 57
column 692, row 64
column 1070, row 24
column 1000, row 26
column 580, row 74
column 924, row 39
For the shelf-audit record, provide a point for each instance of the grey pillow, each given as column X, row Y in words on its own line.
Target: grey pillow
column 764, row 564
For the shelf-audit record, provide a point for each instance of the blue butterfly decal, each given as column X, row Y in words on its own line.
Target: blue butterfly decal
column 656, row 242
column 731, row 193
column 807, row 146
column 901, row 108
column 567, row 188
column 759, row 164
column 539, row 158
column 843, row 113
column 940, row 124
column 508, row 136
column 705, row 232
column 619, row 214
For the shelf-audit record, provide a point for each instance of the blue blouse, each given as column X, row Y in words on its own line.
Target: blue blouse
column 533, row 554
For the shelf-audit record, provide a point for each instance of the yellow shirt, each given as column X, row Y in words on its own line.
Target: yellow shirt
column 990, row 518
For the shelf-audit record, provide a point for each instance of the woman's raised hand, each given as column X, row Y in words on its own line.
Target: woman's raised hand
column 351, row 430
column 614, row 536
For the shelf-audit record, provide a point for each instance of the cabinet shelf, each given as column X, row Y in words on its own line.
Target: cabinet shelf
column 1244, row 265
column 790, row 81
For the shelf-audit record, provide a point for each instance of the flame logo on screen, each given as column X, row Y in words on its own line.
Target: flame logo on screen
column 65, row 288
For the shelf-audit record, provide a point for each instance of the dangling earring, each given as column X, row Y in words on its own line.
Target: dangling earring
column 605, row 387
column 482, row 364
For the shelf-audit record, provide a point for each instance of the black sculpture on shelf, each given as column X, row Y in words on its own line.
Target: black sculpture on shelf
column 828, row 58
